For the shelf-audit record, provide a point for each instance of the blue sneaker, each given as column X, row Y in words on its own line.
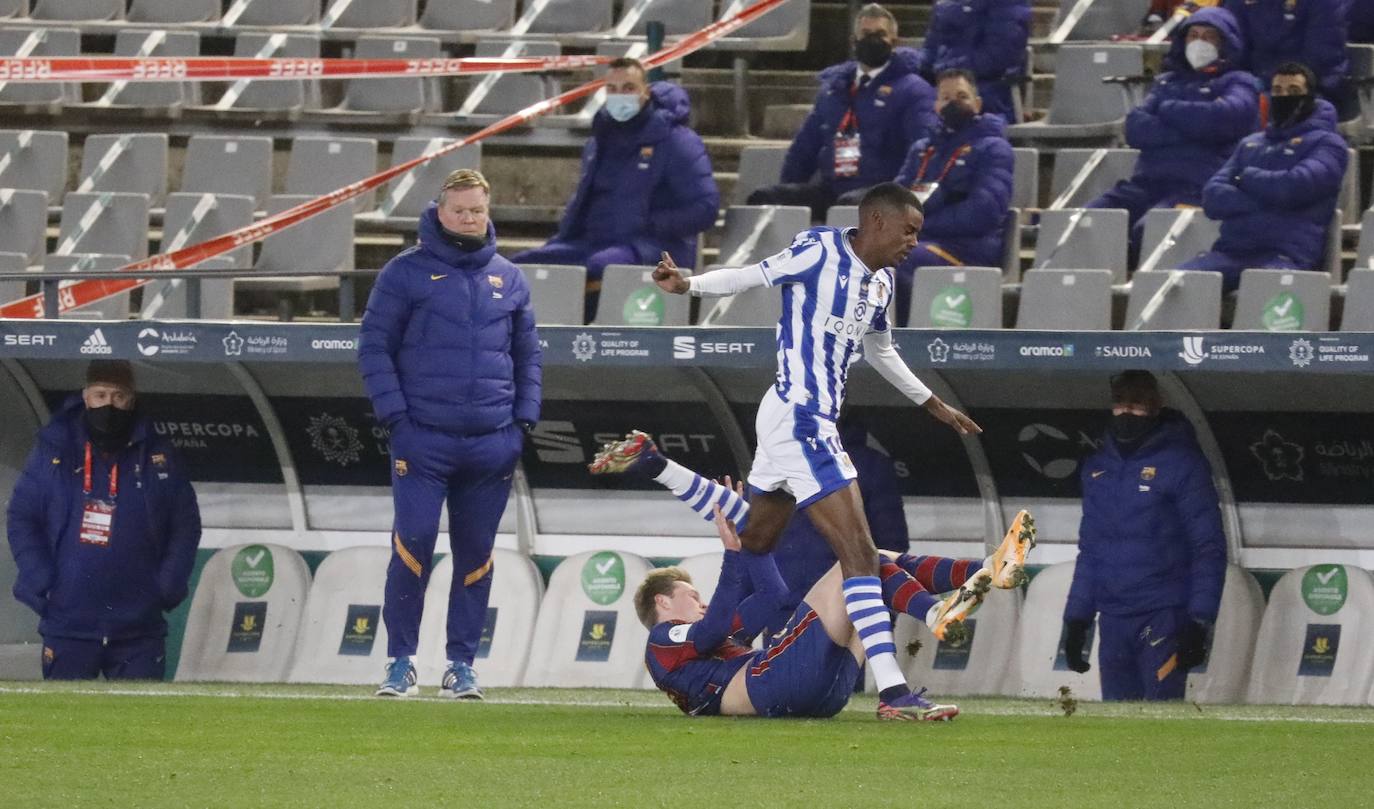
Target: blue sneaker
column 635, row 452
column 400, row 679
column 916, row 708
column 460, row 682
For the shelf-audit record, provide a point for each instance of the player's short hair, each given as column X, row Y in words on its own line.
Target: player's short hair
column 628, row 63
column 892, row 196
column 873, row 11
column 1299, row 69
column 659, row 582
column 1136, row 387
column 958, row 73
column 465, row 178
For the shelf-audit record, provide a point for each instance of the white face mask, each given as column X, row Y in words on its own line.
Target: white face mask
column 1200, row 53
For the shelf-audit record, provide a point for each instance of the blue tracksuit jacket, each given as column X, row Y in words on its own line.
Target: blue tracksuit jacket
column 1308, row 31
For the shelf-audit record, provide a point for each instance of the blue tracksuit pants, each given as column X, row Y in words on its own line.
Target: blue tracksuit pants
column 1138, row 655
column 473, row 474
column 86, row 659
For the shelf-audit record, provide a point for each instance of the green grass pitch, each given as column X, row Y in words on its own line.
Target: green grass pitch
column 157, row 745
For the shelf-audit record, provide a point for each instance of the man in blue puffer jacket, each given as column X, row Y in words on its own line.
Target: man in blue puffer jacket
column 964, row 171
column 1190, row 122
column 866, row 116
column 450, row 358
column 985, row 37
column 104, row 526
column 1276, row 195
column 646, row 185
column 1312, row 32
column 1151, row 551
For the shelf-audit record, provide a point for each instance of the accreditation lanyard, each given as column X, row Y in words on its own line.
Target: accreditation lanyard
column 923, row 188
column 97, row 516
column 847, row 141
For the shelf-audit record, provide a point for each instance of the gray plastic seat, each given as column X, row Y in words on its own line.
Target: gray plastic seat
column 1114, row 165
column 403, row 96
column 842, row 216
column 956, row 298
column 557, row 292
column 1038, row 668
column 39, row 42
column 272, row 13
column 287, row 97
column 12, row 262
column 174, row 11
column 785, row 28
column 1066, row 300
column 679, row 17
column 565, row 17
column 1011, row 245
column 343, row 637
column 1084, row 107
column 153, row 95
column 497, row 94
column 406, row 196
column 1222, row 679
column 1364, row 251
column 168, row 300
column 112, row 308
column 104, row 222
column 1074, row 238
column 759, row 166
column 13, row 8
column 78, row 10
column 229, row 164
column 318, row 165
column 369, row 14
column 1283, row 300
column 755, row 232
column 24, row 223
column 1191, row 301
column 1025, row 183
column 1169, row 241
column 228, row 212
column 629, row 297
column 760, row 306
column 323, row 242
column 1103, row 20
column 468, row 15
column 34, row 160
column 1359, row 301
column 134, row 163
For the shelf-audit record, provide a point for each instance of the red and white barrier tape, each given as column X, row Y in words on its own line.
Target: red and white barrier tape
column 75, row 294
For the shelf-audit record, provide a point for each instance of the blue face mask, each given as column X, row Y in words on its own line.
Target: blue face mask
column 622, row 106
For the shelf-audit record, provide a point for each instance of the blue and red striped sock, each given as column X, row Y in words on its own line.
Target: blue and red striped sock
column 903, row 593
column 939, row 574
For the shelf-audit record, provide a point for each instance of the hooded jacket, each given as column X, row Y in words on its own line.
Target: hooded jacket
column 1151, row 535
column 448, row 339
column 645, row 183
column 966, row 213
column 895, row 109
column 118, row 591
column 1192, row 119
column 1308, row 31
column 1278, row 190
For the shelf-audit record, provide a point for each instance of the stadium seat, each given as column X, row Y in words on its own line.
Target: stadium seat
column 343, row 638
column 77, row 10
column 1175, row 235
column 1359, row 301
column 323, row 242
column 1283, row 300
column 1038, row 669
column 1226, row 673
column 245, row 616
column 39, row 98
column 369, row 15
column 319, row 165
column 629, row 297
column 1364, row 252
column 1066, row 300
column 11, row 262
column 404, row 198
column 786, row 28
column 1011, row 245
column 755, row 232
column 842, row 216
column 34, row 160
column 1108, row 167
column 496, row 94
column 1191, row 302
column 229, row 164
column 272, row 13
column 13, row 8
column 1085, row 108
column 558, row 292
column 956, row 298
column 113, row 308
column 132, row 163
column 1025, row 182
column 219, row 214
column 1090, row 238
column 104, row 222
column 978, row 665
column 759, row 166
column 564, row 17
column 1103, row 20
column 23, row 225
column 160, row 97
column 588, row 634
column 1314, row 645
column 169, row 300
column 516, row 589
column 174, row 11
column 679, row 17
column 468, row 15
column 760, row 306
column 401, row 99
column 286, row 98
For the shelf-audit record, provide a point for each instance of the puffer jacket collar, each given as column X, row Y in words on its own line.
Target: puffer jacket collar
column 433, row 241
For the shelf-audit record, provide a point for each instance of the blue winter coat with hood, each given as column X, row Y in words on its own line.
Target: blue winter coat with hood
column 985, row 37
column 1192, row 119
column 1151, row 535
column 966, row 212
column 117, row 591
column 645, row 183
column 448, row 339
column 1278, row 190
column 894, row 110
column 1312, row 32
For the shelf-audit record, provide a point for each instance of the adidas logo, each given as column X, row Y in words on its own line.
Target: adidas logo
column 96, row 344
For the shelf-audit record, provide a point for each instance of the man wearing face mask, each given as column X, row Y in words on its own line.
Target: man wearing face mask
column 646, row 185
column 1195, row 114
column 1151, row 551
column 104, row 526
column 1276, row 195
column 450, row 358
column 868, row 113
column 964, row 172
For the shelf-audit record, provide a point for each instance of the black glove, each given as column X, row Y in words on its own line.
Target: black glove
column 1192, row 645
column 526, row 427
column 1075, row 635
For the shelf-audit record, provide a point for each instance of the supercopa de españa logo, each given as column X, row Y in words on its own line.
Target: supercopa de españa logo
column 584, row 347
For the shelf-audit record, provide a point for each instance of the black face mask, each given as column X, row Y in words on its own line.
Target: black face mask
column 463, row 241
column 1129, row 428
column 1284, row 111
column 956, row 115
column 109, row 427
column 872, row 51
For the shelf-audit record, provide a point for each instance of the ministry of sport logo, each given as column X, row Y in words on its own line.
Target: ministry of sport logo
column 939, row 350
column 96, row 344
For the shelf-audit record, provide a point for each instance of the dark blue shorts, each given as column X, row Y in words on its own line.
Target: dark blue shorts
column 804, row 672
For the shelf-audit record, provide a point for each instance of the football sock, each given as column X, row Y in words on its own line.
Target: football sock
column 939, row 574
column 904, row 593
column 700, row 493
column 863, row 600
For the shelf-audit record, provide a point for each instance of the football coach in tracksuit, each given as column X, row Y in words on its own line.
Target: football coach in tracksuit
column 104, row 526
column 450, row 358
column 1151, row 552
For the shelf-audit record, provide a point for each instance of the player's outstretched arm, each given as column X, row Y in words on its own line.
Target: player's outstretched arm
column 883, row 356
column 719, row 283
column 962, row 424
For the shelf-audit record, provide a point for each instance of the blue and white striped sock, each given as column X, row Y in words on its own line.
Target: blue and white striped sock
column 863, row 600
column 700, row 494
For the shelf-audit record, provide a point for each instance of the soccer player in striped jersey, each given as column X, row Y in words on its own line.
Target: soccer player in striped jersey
column 836, row 286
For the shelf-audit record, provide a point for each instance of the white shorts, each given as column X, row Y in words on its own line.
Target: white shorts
column 798, row 452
